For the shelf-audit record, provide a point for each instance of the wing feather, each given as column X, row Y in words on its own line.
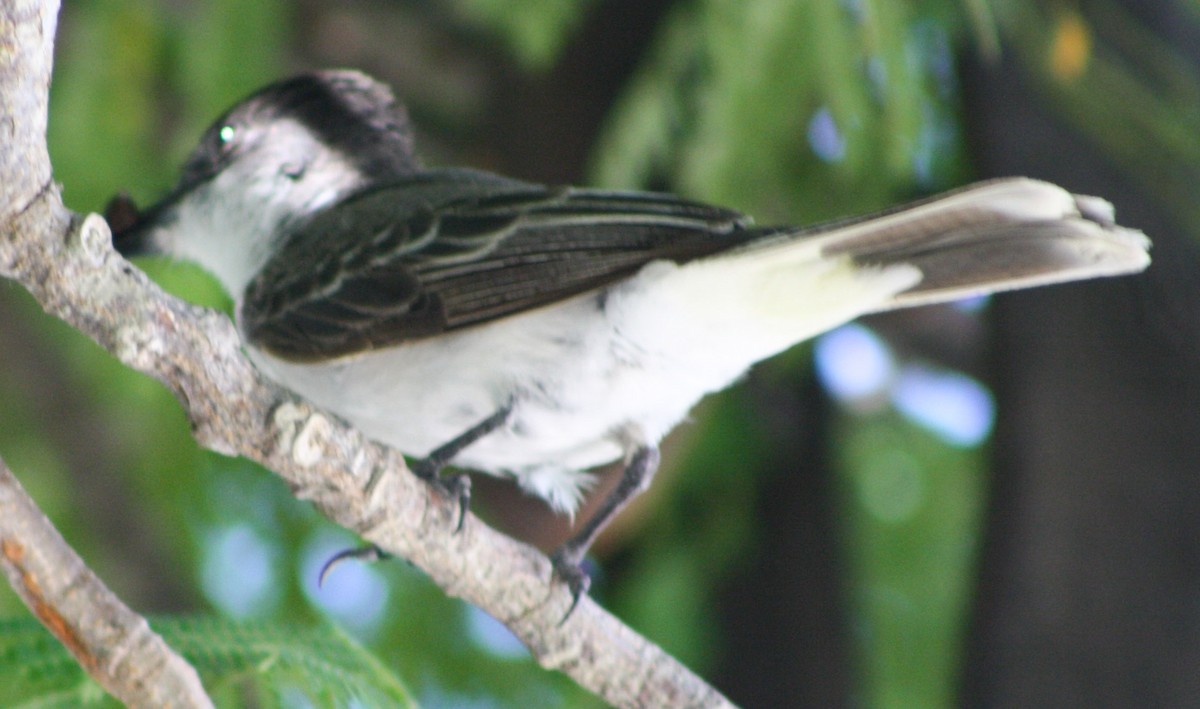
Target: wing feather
column 453, row 248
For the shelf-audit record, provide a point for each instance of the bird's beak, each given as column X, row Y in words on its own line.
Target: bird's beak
column 124, row 218
column 133, row 229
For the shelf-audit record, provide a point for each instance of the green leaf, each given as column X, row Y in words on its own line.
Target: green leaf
column 240, row 664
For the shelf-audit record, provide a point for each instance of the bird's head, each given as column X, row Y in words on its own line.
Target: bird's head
column 271, row 161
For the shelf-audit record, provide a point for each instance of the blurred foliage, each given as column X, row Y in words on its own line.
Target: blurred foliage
column 912, row 516
column 247, row 664
column 876, row 80
column 1119, row 85
column 793, row 110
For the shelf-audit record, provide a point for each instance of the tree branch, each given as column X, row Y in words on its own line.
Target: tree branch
column 68, row 264
column 113, row 644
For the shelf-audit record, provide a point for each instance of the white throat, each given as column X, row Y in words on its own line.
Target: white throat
column 230, row 224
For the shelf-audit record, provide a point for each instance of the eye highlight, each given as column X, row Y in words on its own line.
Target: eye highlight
column 227, row 134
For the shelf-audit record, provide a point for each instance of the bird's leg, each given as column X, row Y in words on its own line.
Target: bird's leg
column 636, row 477
column 457, row 486
column 453, row 487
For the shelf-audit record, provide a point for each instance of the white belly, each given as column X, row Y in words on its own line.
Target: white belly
column 582, row 395
column 591, row 379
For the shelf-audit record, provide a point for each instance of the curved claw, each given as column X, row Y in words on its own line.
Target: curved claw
column 572, row 574
column 458, row 487
column 455, row 487
column 368, row 553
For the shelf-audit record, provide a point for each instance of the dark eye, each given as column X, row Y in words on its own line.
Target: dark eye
column 215, row 150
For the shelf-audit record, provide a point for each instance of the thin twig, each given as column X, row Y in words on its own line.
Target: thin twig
column 113, row 644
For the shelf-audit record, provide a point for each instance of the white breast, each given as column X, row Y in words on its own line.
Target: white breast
column 591, row 378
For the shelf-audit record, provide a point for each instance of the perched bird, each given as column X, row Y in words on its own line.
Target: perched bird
column 536, row 332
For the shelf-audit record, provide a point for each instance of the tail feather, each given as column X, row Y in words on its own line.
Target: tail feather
column 993, row 236
column 789, row 285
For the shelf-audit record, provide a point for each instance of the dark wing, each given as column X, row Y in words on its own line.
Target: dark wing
column 447, row 249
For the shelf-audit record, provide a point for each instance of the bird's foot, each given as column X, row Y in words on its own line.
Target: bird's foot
column 455, row 487
column 568, row 569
